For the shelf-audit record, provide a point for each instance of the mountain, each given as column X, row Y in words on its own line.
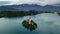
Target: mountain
column 29, row 7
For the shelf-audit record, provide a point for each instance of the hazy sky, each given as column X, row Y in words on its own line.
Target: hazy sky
column 38, row 2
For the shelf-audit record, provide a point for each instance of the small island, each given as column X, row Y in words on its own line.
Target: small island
column 31, row 26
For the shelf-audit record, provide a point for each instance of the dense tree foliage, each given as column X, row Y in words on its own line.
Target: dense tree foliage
column 14, row 13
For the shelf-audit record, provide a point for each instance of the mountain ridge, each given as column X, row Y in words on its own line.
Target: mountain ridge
column 29, row 7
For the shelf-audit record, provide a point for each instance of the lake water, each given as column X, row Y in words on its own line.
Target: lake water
column 47, row 23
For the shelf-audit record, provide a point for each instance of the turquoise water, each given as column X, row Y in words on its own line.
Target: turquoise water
column 47, row 23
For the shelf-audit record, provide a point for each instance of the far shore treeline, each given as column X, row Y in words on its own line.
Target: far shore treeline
column 14, row 13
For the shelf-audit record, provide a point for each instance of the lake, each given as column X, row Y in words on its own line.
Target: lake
column 47, row 23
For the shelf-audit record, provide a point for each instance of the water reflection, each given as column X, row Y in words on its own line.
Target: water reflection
column 29, row 26
column 47, row 23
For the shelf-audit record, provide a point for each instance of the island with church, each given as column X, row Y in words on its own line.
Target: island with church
column 29, row 24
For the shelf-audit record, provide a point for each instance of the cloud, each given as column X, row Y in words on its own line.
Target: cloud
column 38, row 2
column 4, row 2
